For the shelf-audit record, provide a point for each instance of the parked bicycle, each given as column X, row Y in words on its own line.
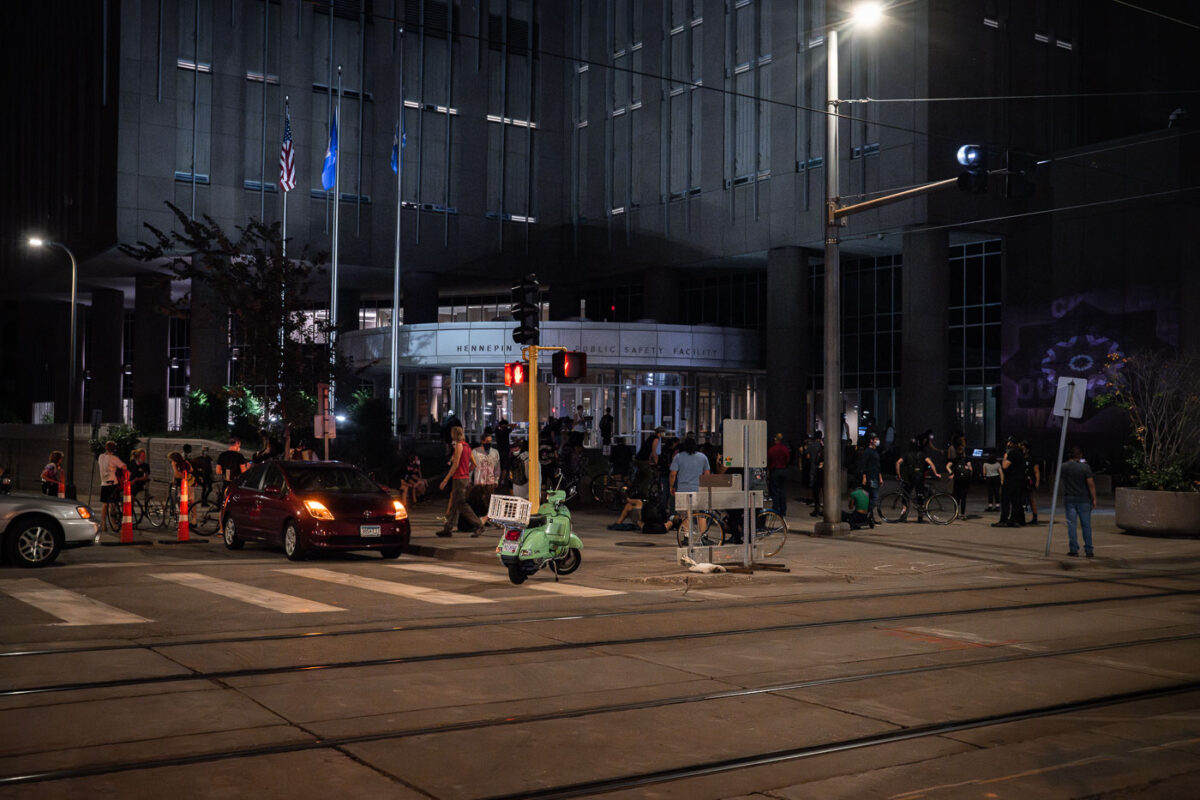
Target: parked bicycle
column 717, row 527
column 940, row 507
column 165, row 514
column 610, row 490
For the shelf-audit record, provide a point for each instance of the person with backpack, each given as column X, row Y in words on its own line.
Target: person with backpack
column 959, row 467
column 518, row 469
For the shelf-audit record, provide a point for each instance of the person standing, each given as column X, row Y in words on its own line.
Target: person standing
column 139, row 472
column 182, row 472
column 230, row 464
column 606, row 427
column 686, row 468
column 111, row 467
column 504, row 443
column 486, row 460
column 52, row 474
column 814, row 457
column 1012, row 476
column 958, row 466
column 460, row 473
column 991, row 477
column 518, row 468
column 872, row 477
column 1031, row 481
column 778, row 458
column 646, row 460
column 1079, row 493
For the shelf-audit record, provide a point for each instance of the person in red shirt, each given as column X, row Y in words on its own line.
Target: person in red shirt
column 779, row 456
column 460, row 473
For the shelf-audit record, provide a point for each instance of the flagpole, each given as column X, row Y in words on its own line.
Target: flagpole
column 333, row 291
column 396, row 267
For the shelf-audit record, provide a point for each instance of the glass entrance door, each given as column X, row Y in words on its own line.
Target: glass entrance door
column 659, row 406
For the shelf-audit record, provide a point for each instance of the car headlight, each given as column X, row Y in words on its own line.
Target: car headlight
column 84, row 512
column 401, row 511
column 317, row 509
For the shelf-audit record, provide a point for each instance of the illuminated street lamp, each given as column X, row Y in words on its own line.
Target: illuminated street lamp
column 864, row 15
column 69, row 489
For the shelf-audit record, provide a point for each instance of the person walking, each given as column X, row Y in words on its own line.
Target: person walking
column 1079, row 493
column 1012, row 477
column 814, row 456
column 52, row 474
column 486, row 462
column 958, row 466
column 872, row 477
column 778, row 458
column 111, row 469
column 460, row 473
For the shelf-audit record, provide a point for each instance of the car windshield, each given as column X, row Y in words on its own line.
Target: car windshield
column 332, row 479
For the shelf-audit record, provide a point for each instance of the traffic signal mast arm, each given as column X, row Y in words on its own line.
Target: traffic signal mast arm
column 838, row 212
column 535, row 462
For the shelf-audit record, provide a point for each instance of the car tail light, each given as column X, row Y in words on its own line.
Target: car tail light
column 84, row 512
column 318, row 510
column 512, row 535
column 401, row 512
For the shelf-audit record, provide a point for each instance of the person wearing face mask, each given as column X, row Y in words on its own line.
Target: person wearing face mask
column 486, row 460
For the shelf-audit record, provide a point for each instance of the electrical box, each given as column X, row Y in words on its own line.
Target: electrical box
column 754, row 433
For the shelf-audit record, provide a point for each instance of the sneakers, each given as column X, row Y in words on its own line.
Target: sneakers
column 1074, row 554
column 1090, row 554
column 443, row 533
column 475, row 533
column 440, row 518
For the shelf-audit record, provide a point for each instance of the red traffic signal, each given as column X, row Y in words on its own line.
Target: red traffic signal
column 514, row 373
column 569, row 364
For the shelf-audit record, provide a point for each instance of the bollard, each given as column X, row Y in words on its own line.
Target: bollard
column 126, row 512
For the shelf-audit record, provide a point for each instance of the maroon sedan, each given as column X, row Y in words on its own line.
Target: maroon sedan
column 308, row 506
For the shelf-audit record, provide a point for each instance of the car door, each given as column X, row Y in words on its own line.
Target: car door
column 243, row 502
column 273, row 503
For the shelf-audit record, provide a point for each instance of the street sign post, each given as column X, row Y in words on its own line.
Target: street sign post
column 1068, row 404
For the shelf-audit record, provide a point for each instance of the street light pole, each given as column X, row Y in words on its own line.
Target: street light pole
column 831, row 407
column 69, row 488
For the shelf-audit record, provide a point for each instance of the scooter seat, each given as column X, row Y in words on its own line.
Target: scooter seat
column 536, row 520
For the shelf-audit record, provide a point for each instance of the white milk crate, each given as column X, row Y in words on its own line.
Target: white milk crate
column 505, row 508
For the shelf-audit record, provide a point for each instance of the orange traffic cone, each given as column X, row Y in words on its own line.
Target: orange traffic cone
column 183, row 510
column 127, row 513
column 62, row 490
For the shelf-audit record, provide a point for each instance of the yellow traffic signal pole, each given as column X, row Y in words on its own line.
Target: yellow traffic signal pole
column 535, row 463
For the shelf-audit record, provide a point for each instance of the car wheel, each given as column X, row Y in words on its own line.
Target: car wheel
column 293, row 548
column 229, row 534
column 34, row 543
column 390, row 552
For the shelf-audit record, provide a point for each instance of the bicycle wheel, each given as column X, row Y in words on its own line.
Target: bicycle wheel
column 114, row 514
column 139, row 510
column 155, row 512
column 941, row 508
column 893, row 507
column 770, row 531
column 709, row 530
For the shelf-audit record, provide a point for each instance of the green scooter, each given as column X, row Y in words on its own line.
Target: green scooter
column 545, row 541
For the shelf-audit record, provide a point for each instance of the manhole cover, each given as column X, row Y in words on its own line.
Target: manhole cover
column 636, row 544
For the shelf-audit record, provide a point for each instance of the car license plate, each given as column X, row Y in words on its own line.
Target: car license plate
column 370, row 530
column 509, row 548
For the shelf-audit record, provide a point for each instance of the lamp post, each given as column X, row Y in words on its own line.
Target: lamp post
column 865, row 14
column 69, row 489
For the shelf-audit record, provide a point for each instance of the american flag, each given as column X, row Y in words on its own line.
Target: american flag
column 287, row 160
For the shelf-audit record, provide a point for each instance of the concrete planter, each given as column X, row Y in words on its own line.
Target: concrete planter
column 1153, row 513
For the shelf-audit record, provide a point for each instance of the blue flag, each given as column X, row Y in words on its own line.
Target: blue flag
column 328, row 171
column 399, row 140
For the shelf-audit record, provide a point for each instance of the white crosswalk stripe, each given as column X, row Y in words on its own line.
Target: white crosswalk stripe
column 571, row 589
column 264, row 598
column 71, row 607
column 422, row 593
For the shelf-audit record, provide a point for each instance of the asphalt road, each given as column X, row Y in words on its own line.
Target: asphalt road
column 192, row 671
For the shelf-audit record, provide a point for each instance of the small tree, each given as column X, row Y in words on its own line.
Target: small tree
column 1161, row 394
column 283, row 354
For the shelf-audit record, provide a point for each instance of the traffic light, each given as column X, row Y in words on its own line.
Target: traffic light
column 975, row 177
column 514, row 373
column 569, row 364
column 527, row 311
column 1019, row 179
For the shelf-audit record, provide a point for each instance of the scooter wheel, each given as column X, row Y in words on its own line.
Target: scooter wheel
column 569, row 563
column 516, row 574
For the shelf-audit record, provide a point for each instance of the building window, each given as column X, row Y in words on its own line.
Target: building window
column 613, row 303
column 749, row 79
column 974, row 352
column 512, row 114
column 685, row 43
column 179, row 353
column 193, row 93
column 624, row 104
column 736, row 300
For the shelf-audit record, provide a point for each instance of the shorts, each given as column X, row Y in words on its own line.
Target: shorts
column 110, row 493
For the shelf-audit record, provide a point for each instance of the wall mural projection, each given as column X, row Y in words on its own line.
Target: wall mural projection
column 1073, row 336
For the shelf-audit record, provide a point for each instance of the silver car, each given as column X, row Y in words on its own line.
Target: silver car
column 36, row 529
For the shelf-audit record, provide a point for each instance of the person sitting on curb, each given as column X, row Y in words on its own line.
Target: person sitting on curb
column 633, row 512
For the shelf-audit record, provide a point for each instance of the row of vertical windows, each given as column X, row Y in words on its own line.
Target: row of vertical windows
column 738, row 300
column 975, row 313
column 871, row 323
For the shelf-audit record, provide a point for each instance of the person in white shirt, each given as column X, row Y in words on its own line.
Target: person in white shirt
column 112, row 470
column 486, row 460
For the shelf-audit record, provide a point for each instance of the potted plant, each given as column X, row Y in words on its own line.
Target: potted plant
column 1160, row 393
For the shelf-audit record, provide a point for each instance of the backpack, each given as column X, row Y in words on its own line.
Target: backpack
column 962, row 469
column 519, row 475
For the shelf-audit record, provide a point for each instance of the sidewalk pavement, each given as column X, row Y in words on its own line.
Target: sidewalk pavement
column 964, row 546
